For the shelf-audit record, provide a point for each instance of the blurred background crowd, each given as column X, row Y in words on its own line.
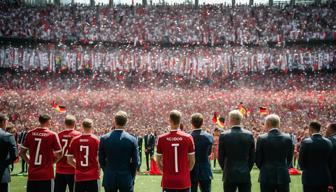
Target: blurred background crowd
column 176, row 24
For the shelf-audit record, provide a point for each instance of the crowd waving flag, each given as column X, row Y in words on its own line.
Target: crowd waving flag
column 242, row 109
column 263, row 110
column 218, row 120
column 58, row 108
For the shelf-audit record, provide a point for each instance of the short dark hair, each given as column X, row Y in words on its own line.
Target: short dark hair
column 175, row 117
column 332, row 126
column 3, row 118
column 197, row 120
column 315, row 125
column 70, row 120
column 121, row 118
column 10, row 128
column 44, row 119
column 87, row 123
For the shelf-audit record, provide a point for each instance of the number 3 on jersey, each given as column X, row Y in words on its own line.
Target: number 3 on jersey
column 85, row 162
column 175, row 145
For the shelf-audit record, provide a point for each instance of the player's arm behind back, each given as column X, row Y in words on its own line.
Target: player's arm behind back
column 191, row 153
column 191, row 161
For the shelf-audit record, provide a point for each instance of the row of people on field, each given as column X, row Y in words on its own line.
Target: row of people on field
column 183, row 158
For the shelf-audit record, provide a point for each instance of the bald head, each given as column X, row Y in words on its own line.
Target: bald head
column 235, row 117
column 272, row 121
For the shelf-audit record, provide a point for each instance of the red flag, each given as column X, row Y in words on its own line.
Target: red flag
column 154, row 170
column 61, row 109
column 263, row 111
column 214, row 118
column 54, row 104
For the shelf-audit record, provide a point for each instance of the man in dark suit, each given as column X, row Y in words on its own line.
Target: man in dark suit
column 201, row 174
column 8, row 153
column 22, row 138
column 140, row 139
column 236, row 155
column 331, row 134
column 119, row 157
column 149, row 147
column 274, row 155
column 314, row 160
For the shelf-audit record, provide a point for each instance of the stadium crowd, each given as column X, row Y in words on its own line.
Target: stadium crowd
column 297, row 97
column 145, row 83
column 193, row 61
column 208, row 24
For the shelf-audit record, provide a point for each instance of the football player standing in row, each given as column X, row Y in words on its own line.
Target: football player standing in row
column 175, row 156
column 44, row 150
column 65, row 173
column 83, row 156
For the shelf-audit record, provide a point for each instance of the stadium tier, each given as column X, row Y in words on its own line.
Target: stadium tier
column 175, row 24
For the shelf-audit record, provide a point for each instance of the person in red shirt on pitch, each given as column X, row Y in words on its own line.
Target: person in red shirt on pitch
column 83, row 156
column 175, row 156
column 44, row 150
column 65, row 173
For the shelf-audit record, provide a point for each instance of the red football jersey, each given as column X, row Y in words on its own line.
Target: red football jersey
column 175, row 148
column 42, row 144
column 65, row 137
column 84, row 149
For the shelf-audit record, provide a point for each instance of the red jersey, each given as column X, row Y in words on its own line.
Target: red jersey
column 65, row 137
column 42, row 144
column 175, row 148
column 84, row 149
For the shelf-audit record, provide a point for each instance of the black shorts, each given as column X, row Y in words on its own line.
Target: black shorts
column 4, row 187
column 87, row 186
column 64, row 180
column 176, row 190
column 40, row 186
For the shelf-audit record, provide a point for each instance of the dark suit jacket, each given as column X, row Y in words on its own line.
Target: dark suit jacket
column 203, row 145
column 22, row 137
column 149, row 143
column 140, row 139
column 118, row 157
column 273, row 156
column 333, row 164
column 236, row 155
column 8, row 154
column 314, row 159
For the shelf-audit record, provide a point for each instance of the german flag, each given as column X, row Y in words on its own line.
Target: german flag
column 61, row 109
column 263, row 110
column 218, row 120
column 221, row 122
column 242, row 109
column 58, row 108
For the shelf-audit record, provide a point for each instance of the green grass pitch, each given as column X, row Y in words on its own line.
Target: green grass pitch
column 146, row 183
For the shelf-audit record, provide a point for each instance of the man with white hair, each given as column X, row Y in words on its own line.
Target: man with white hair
column 274, row 155
column 236, row 154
